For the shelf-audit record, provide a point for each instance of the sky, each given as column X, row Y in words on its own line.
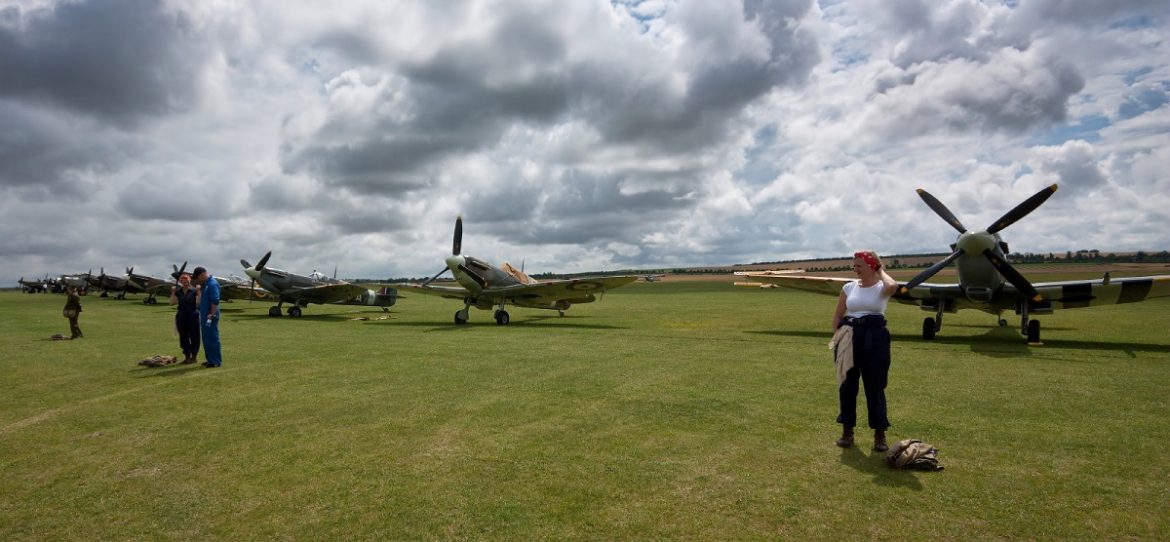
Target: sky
column 583, row 135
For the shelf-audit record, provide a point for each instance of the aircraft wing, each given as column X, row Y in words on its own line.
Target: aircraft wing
column 541, row 292
column 229, row 289
column 556, row 290
column 324, row 293
column 821, row 285
column 1070, row 294
column 449, row 292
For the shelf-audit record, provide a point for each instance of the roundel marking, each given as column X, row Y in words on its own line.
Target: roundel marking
column 585, row 286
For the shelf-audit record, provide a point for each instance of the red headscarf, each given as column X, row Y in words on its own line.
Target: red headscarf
column 869, row 259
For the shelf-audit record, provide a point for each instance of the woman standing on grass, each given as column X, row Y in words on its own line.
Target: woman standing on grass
column 862, row 307
column 186, row 297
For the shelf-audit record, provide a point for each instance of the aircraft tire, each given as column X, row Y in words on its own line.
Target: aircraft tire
column 294, row 311
column 1034, row 332
column 460, row 318
column 1003, row 322
column 502, row 318
column 928, row 328
column 274, row 311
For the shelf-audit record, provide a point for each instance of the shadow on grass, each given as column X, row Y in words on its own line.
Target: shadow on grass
column 875, row 465
column 560, row 324
column 998, row 342
column 167, row 370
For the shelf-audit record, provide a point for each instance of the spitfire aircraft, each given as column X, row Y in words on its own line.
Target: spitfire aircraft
column 151, row 286
column 315, row 288
column 987, row 281
column 34, row 286
column 485, row 286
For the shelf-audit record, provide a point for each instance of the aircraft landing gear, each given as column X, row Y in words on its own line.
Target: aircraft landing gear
column 930, row 326
column 149, row 301
column 1002, row 322
column 385, row 309
column 461, row 317
column 561, row 313
column 502, row 318
column 294, row 311
column 1034, row 332
column 274, row 310
column 1029, row 328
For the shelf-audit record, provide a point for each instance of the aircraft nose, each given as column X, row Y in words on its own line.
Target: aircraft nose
column 453, row 262
column 252, row 272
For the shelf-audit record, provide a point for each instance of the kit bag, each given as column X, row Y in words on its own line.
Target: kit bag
column 913, row 454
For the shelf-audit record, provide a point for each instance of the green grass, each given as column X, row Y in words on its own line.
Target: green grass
column 682, row 411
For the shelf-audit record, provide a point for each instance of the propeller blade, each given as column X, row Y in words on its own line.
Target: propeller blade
column 457, row 244
column 264, row 260
column 245, row 263
column 941, row 210
column 432, row 279
column 930, row 271
column 1022, row 209
column 1013, row 276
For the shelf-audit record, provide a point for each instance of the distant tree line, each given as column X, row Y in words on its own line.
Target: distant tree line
column 1090, row 256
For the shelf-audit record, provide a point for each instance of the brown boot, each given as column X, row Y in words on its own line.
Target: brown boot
column 879, row 440
column 846, row 439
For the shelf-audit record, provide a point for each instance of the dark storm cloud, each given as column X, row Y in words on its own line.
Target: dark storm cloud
column 465, row 95
column 42, row 154
column 120, row 60
column 154, row 198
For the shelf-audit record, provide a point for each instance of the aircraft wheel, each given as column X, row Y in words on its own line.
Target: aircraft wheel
column 105, row 294
column 1034, row 332
column 274, row 311
column 460, row 317
column 385, row 309
column 1002, row 322
column 502, row 318
column 562, row 313
column 928, row 328
column 146, row 301
column 294, row 311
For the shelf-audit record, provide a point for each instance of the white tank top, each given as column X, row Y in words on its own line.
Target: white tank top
column 861, row 301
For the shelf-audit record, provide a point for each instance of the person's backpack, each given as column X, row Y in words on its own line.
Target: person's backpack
column 913, row 454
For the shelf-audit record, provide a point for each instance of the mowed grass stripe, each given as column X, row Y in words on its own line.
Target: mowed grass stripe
column 666, row 411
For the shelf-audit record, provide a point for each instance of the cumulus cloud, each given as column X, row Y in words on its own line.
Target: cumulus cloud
column 577, row 135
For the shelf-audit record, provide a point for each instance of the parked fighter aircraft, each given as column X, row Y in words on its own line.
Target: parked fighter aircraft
column 989, row 283
column 485, row 286
column 316, row 288
column 34, row 286
column 151, row 286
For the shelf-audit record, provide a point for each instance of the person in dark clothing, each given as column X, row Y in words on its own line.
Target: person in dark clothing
column 186, row 296
column 862, row 306
column 72, row 311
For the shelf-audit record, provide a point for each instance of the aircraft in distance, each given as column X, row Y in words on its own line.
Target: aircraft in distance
column 987, row 282
column 231, row 288
column 35, row 286
column 315, row 288
column 151, row 286
column 112, row 283
column 80, row 281
column 485, row 286
column 651, row 278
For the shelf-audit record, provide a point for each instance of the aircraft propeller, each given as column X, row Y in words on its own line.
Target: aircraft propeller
column 982, row 242
column 456, row 248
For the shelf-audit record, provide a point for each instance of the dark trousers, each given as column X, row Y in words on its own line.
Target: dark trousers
column 188, row 327
column 871, row 365
column 74, row 329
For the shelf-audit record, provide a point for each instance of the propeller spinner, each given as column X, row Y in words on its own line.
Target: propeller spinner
column 983, row 242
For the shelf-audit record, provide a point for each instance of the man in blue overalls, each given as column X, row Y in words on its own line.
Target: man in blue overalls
column 209, row 316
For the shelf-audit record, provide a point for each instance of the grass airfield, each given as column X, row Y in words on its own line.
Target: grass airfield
column 667, row 411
